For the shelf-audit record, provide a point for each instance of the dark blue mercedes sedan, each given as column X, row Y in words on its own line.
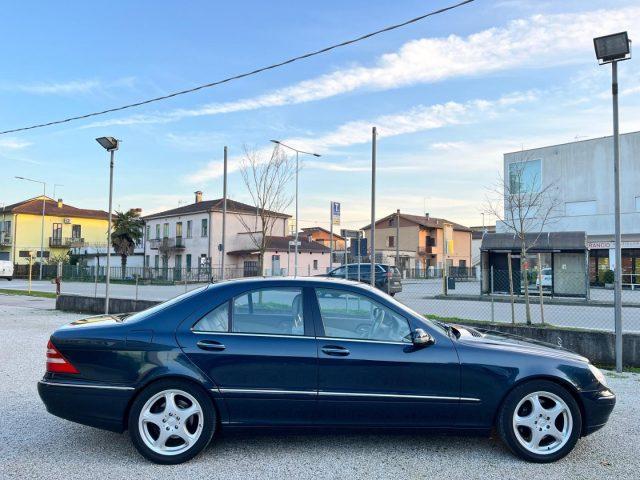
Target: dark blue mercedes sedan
column 285, row 352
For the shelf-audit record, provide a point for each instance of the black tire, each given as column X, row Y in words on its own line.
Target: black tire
column 208, row 414
column 505, row 420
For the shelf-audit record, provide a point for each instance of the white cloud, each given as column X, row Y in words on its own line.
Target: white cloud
column 71, row 87
column 419, row 118
column 535, row 42
column 13, row 144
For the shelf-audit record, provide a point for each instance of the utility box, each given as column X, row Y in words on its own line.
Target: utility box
column 451, row 283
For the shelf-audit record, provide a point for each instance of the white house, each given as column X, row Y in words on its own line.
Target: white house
column 188, row 240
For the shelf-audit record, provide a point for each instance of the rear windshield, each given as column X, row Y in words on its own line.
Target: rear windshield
column 161, row 306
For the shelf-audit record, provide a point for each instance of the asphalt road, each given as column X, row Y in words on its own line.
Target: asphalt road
column 35, row 444
column 417, row 294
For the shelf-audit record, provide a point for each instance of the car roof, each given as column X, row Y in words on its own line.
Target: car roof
column 310, row 281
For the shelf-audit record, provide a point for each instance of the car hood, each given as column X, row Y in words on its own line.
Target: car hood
column 516, row 343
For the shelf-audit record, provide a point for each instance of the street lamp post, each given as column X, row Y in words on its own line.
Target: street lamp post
column 110, row 144
column 613, row 49
column 277, row 142
column 44, row 199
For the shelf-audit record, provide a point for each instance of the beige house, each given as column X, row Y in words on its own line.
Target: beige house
column 423, row 242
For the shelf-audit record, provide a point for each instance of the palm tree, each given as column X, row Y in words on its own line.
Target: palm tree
column 127, row 232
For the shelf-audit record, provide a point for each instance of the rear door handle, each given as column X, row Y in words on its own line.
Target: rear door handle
column 210, row 345
column 335, row 350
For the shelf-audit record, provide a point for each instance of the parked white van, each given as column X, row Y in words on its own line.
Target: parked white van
column 6, row 269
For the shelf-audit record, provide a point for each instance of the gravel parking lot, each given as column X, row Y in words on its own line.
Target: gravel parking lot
column 38, row 445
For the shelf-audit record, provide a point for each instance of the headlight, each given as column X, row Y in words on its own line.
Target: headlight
column 598, row 374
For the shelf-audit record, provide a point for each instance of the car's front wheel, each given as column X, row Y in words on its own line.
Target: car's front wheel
column 171, row 421
column 540, row 421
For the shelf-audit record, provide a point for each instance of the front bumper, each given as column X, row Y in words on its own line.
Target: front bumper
column 100, row 406
column 598, row 405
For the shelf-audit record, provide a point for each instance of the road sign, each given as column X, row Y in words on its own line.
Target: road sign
column 292, row 243
column 349, row 233
column 335, row 213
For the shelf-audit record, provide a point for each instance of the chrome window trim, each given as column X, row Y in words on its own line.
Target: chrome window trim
column 78, row 385
column 322, row 393
column 365, row 340
column 245, row 334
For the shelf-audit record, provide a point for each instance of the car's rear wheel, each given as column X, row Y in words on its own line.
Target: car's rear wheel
column 540, row 421
column 171, row 421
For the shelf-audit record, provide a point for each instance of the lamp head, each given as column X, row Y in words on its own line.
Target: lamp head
column 108, row 143
column 612, row 48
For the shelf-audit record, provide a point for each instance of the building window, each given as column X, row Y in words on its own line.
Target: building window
column 525, row 177
column 391, row 241
column 189, row 226
column 165, row 230
column 156, row 261
column 147, row 232
column 315, row 264
column 204, row 229
column 188, row 262
column 146, row 261
column 76, row 231
column 157, row 231
column 179, row 229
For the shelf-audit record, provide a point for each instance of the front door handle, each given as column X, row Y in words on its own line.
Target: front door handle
column 210, row 345
column 335, row 350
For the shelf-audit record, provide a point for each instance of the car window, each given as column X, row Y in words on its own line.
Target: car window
column 338, row 272
column 217, row 320
column 351, row 315
column 269, row 310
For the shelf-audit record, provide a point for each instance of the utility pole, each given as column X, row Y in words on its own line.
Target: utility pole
column 617, row 293
column 331, row 236
column 108, row 278
column 224, row 213
column 373, row 206
column 398, row 239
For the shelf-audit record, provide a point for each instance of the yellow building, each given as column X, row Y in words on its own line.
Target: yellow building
column 65, row 227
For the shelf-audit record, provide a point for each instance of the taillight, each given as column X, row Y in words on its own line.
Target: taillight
column 56, row 363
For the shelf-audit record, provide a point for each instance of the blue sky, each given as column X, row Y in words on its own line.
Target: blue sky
column 449, row 96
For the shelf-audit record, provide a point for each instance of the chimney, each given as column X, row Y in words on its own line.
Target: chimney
column 59, row 203
column 198, row 196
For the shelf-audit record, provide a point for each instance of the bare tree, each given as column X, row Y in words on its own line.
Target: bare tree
column 525, row 206
column 266, row 178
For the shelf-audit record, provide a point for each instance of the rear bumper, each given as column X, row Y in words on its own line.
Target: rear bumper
column 598, row 405
column 100, row 406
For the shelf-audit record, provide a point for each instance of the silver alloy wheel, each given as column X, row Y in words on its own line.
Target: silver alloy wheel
column 542, row 423
column 170, row 422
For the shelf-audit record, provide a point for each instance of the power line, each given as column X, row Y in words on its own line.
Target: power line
column 242, row 75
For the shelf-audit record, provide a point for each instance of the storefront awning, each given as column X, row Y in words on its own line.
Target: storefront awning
column 543, row 242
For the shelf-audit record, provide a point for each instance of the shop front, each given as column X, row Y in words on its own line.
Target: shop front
column 555, row 262
column 602, row 259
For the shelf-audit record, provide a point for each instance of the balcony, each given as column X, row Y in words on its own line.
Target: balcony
column 5, row 239
column 425, row 250
column 66, row 242
column 167, row 244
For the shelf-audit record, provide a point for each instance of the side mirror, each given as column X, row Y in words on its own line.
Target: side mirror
column 421, row 338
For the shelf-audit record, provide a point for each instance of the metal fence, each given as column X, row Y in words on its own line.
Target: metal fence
column 564, row 299
column 463, row 295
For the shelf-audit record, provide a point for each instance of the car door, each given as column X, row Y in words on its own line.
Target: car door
column 371, row 374
column 259, row 348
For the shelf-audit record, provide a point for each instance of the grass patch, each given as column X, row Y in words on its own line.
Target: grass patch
column 33, row 293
